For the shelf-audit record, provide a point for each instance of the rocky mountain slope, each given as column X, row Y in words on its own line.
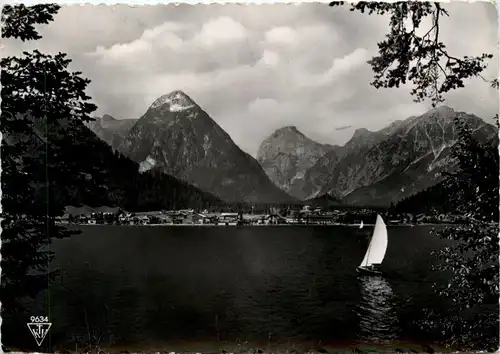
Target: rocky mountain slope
column 286, row 155
column 177, row 137
column 475, row 184
column 381, row 167
column 101, row 176
column 110, row 130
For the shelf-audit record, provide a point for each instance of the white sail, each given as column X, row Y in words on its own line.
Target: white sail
column 361, row 225
column 378, row 244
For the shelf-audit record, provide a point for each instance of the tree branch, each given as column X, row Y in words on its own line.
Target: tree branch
column 424, row 61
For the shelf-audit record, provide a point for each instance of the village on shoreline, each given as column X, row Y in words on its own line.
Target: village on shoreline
column 274, row 216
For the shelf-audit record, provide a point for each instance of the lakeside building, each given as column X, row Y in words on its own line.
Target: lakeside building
column 302, row 215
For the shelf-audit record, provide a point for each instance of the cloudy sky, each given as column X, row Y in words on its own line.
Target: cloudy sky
column 255, row 68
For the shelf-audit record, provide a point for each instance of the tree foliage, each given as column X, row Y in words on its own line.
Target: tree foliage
column 415, row 55
column 468, row 316
column 412, row 53
column 50, row 159
column 41, row 101
column 19, row 21
column 472, row 258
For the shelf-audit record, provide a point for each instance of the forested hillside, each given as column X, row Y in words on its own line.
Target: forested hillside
column 122, row 185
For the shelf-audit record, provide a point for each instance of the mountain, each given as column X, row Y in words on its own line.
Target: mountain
column 286, row 155
column 123, row 185
column 86, row 171
column 474, row 184
column 377, row 168
column 110, row 130
column 319, row 175
column 363, row 139
column 177, row 137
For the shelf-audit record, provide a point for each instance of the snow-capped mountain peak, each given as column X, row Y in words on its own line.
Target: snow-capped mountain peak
column 177, row 101
column 186, row 143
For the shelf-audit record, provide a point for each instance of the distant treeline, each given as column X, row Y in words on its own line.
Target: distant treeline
column 438, row 198
column 283, row 208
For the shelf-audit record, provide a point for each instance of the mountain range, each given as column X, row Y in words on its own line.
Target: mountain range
column 177, row 137
column 377, row 168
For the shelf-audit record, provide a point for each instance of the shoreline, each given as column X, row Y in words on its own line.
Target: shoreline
column 280, row 347
column 260, row 225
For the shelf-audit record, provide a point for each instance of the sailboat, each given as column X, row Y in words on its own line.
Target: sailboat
column 361, row 225
column 376, row 249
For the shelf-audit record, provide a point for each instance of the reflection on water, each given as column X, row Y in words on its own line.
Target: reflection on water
column 376, row 312
column 158, row 285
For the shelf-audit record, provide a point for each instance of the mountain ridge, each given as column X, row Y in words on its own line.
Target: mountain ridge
column 369, row 168
column 111, row 130
column 285, row 156
column 416, row 148
column 178, row 137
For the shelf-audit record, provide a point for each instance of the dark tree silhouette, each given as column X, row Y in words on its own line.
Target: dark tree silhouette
column 418, row 57
column 50, row 159
column 41, row 101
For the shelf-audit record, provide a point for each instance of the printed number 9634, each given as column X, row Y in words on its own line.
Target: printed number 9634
column 39, row 319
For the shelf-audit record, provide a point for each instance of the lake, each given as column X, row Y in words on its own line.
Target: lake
column 150, row 287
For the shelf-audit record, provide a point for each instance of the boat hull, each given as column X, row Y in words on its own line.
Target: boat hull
column 368, row 271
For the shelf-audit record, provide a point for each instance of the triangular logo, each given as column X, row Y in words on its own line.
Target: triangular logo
column 39, row 331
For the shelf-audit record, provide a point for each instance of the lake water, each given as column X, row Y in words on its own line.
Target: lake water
column 142, row 286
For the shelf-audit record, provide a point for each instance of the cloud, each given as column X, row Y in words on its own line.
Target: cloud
column 348, row 62
column 185, row 46
column 269, row 58
column 339, row 69
column 222, row 30
column 281, row 35
column 265, row 106
column 255, row 68
column 122, row 53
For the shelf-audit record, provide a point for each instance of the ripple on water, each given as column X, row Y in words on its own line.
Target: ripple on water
column 376, row 312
